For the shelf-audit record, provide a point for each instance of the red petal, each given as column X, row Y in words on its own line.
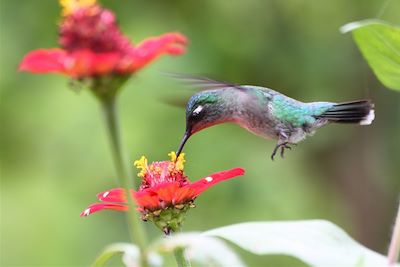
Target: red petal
column 158, row 196
column 172, row 193
column 151, row 48
column 147, row 199
column 80, row 63
column 113, row 195
column 184, row 194
column 204, row 183
column 99, row 206
column 163, row 195
column 87, row 63
column 166, row 192
column 44, row 61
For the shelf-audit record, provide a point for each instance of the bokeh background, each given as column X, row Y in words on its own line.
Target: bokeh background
column 55, row 155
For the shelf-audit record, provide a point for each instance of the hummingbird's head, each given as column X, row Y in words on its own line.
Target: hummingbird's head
column 203, row 110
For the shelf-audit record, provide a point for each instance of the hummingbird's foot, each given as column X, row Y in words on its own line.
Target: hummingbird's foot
column 283, row 149
column 282, row 146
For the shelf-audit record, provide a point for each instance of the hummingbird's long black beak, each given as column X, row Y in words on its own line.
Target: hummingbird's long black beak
column 184, row 139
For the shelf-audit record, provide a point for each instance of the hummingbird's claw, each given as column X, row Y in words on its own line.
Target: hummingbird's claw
column 282, row 146
column 274, row 152
column 283, row 149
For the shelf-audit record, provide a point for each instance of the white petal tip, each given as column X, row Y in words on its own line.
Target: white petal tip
column 86, row 212
column 208, row 179
column 105, row 194
column 369, row 118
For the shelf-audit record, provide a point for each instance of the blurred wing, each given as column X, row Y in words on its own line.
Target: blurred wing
column 176, row 101
column 204, row 83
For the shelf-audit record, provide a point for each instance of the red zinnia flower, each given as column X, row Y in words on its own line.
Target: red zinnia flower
column 165, row 193
column 93, row 45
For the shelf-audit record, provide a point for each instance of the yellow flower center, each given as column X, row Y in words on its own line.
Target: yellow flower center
column 70, row 5
column 142, row 165
column 179, row 162
column 176, row 164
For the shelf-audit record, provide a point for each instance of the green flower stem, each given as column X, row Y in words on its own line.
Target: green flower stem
column 394, row 247
column 136, row 230
column 181, row 258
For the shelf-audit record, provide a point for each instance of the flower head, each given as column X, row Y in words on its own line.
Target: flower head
column 165, row 193
column 92, row 45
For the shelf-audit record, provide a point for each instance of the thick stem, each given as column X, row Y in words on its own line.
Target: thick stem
column 181, row 258
column 394, row 247
column 134, row 225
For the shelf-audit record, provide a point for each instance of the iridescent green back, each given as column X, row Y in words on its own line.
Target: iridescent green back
column 295, row 112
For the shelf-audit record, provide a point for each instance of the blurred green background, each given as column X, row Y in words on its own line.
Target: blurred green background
column 55, row 155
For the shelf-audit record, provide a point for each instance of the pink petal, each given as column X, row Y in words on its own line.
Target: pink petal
column 100, row 206
column 151, row 48
column 80, row 63
column 44, row 61
column 204, row 183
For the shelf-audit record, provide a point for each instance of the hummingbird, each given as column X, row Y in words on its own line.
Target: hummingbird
column 265, row 112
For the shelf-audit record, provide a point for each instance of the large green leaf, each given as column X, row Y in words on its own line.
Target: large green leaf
column 379, row 43
column 130, row 255
column 204, row 250
column 316, row 242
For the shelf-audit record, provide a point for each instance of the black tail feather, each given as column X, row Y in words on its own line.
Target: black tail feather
column 361, row 111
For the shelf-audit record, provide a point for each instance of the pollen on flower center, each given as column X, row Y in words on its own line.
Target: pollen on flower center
column 179, row 162
column 160, row 172
column 70, row 5
column 142, row 165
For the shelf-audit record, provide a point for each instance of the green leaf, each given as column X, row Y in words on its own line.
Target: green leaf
column 379, row 43
column 204, row 250
column 130, row 255
column 316, row 242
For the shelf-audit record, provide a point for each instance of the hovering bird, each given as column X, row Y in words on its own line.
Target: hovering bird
column 265, row 112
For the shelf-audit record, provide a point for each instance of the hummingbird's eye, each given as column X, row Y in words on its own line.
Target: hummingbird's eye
column 197, row 110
